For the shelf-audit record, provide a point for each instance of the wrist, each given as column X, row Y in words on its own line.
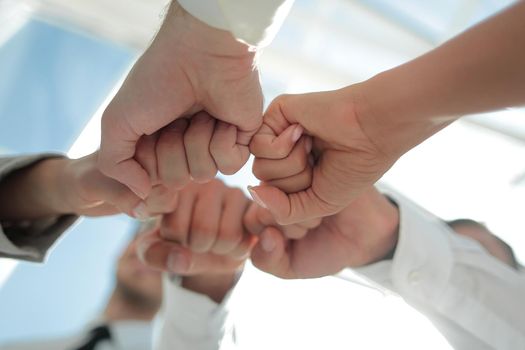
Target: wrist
column 215, row 286
column 183, row 28
column 385, row 227
column 395, row 111
column 59, row 186
column 390, row 230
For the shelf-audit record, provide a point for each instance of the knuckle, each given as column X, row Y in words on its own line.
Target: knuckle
column 215, row 186
column 299, row 160
column 281, row 151
column 237, row 194
column 203, row 175
column 178, row 181
column 203, row 230
column 230, row 168
column 259, row 170
column 283, row 221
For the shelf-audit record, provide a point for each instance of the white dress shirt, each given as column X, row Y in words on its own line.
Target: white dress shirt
column 255, row 22
column 192, row 321
column 475, row 300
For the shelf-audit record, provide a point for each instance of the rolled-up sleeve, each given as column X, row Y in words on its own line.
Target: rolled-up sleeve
column 29, row 240
column 255, row 22
column 475, row 300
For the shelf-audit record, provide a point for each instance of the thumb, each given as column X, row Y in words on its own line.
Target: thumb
column 292, row 208
column 116, row 156
column 228, row 153
column 160, row 254
column 271, row 255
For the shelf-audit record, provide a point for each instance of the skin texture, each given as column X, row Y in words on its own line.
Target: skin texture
column 343, row 162
column 360, row 131
column 189, row 68
column 362, row 233
column 67, row 186
column 203, row 239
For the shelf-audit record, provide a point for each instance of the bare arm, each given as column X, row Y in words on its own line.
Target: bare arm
column 478, row 71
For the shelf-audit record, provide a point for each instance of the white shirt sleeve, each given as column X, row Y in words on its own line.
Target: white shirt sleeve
column 476, row 301
column 255, row 22
column 189, row 320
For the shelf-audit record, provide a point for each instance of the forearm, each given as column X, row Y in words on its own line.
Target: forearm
column 479, row 71
column 33, row 192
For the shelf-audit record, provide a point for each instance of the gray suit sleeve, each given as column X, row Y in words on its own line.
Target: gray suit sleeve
column 29, row 239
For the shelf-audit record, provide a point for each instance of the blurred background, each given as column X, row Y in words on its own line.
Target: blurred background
column 62, row 60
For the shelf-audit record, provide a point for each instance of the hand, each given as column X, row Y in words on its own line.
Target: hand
column 203, row 239
column 85, row 191
column 362, row 233
column 189, row 67
column 287, row 165
column 346, row 160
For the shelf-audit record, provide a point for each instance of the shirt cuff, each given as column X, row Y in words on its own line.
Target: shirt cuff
column 253, row 22
column 423, row 260
column 192, row 319
column 30, row 239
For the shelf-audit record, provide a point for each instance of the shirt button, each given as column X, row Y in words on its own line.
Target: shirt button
column 414, row 277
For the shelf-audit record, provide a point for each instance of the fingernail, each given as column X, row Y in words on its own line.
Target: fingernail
column 297, row 133
column 267, row 243
column 256, row 197
column 141, row 212
column 308, row 144
column 177, row 262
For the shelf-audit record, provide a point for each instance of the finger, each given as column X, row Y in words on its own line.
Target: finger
column 228, row 154
column 292, row 208
column 100, row 210
column 113, row 193
column 231, row 228
column 197, row 144
column 293, row 164
column 310, row 224
column 295, row 183
column 257, row 218
column 161, row 200
column 176, row 226
column 147, row 156
column 267, row 144
column 172, row 163
column 115, row 158
column 162, row 255
column 271, row 255
column 241, row 105
column 243, row 250
column 206, row 217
